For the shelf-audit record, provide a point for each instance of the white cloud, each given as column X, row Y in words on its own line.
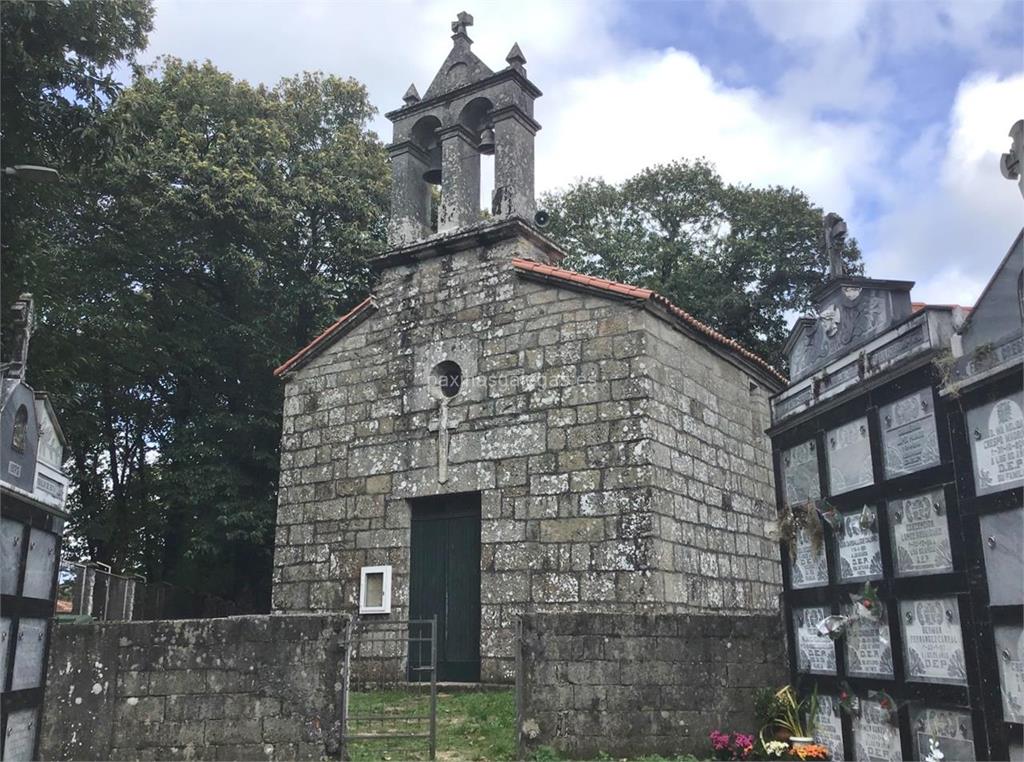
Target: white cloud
column 384, row 45
column 610, row 109
column 653, row 108
column 950, row 221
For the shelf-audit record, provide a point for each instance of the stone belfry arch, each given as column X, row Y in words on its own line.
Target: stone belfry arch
column 467, row 110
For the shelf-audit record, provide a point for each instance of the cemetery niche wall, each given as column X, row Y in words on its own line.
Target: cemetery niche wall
column 983, row 389
column 33, row 489
column 898, row 494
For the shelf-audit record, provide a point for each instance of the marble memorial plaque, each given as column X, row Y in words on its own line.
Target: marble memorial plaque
column 39, row 568
column 828, row 726
column 996, row 432
column 815, row 653
column 849, row 457
column 932, row 641
column 860, row 555
column 1010, row 653
column 800, row 473
column 920, row 535
column 10, row 555
column 29, row 649
column 1002, row 537
column 20, row 738
column 868, row 648
column 951, row 729
column 909, row 440
column 809, row 568
column 876, row 738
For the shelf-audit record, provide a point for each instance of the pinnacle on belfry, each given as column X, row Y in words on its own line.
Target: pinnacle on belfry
column 411, row 95
column 515, row 56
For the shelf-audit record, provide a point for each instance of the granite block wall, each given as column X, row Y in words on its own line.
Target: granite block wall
column 570, row 427
column 636, row 685
column 711, row 468
column 252, row 687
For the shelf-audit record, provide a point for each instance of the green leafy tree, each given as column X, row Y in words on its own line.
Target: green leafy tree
column 225, row 225
column 737, row 257
column 57, row 61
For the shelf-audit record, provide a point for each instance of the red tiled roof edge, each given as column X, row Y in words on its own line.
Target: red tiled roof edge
column 308, row 351
column 916, row 307
column 646, row 294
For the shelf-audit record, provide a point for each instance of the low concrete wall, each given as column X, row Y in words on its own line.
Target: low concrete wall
column 251, row 687
column 632, row 685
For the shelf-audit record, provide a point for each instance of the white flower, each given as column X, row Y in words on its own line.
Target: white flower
column 776, row 748
column 934, row 752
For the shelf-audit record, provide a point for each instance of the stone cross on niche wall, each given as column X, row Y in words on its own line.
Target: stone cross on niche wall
column 835, row 240
column 442, row 424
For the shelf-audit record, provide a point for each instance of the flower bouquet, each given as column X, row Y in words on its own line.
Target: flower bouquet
column 784, row 751
column 731, row 746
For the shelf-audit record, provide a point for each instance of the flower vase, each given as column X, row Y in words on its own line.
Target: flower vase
column 795, row 741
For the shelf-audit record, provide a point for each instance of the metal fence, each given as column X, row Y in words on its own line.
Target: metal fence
column 93, row 590
column 389, row 688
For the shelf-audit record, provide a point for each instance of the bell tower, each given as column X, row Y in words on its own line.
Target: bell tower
column 467, row 110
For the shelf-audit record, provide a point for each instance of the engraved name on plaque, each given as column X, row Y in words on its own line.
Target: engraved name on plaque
column 848, row 448
column 949, row 728
column 932, row 641
column 996, row 432
column 875, row 736
column 868, row 650
column 1010, row 653
column 828, row 726
column 860, row 555
column 800, row 473
column 909, row 440
column 814, row 653
column 809, row 568
column 920, row 535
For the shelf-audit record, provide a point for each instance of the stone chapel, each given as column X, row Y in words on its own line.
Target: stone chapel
column 489, row 433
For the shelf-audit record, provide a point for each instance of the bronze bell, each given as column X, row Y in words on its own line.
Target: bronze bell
column 433, row 173
column 486, row 145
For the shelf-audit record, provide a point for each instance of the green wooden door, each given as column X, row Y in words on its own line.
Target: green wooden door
column 444, row 581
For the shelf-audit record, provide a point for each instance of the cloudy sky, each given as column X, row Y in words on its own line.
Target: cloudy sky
column 891, row 113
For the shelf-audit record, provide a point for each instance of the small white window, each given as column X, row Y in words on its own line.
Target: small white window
column 375, row 590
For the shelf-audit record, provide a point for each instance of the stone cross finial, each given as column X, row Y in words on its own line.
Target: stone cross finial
column 835, row 238
column 24, row 322
column 461, row 22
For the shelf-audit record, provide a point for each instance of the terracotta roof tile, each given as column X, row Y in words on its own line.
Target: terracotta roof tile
column 312, row 347
column 621, row 290
column 645, row 294
column 918, row 306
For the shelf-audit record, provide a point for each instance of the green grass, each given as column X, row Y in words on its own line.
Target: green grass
column 472, row 725
column 476, row 725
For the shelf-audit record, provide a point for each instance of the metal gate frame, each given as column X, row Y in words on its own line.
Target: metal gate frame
column 388, row 630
